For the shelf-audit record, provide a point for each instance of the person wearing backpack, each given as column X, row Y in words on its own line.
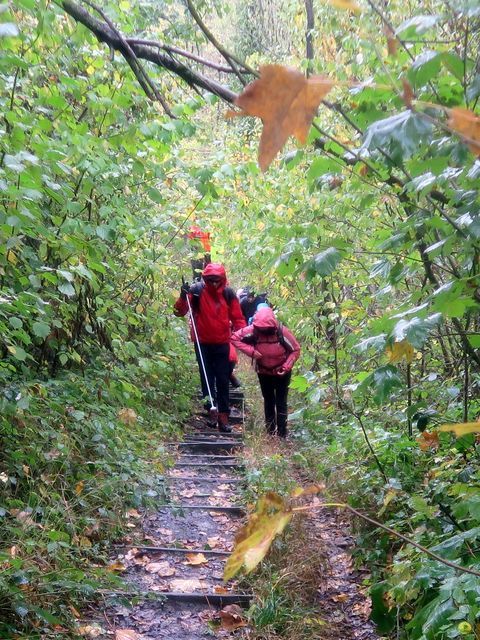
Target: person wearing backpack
column 216, row 311
column 274, row 350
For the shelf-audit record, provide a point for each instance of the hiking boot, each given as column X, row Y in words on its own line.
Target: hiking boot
column 234, row 381
column 212, row 417
column 223, row 425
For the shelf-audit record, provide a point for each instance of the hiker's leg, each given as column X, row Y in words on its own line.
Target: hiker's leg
column 221, row 367
column 281, row 398
column 268, row 393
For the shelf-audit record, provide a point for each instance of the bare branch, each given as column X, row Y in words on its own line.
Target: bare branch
column 105, row 34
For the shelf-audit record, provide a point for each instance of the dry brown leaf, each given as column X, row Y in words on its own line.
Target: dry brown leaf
column 428, row 440
column 219, row 589
column 185, row 585
column 163, row 569
column 392, row 41
column 213, row 541
column 133, row 513
column 231, row 617
column 196, row 559
column 407, row 94
column 127, row 416
column 467, row 124
column 127, row 634
column 286, row 101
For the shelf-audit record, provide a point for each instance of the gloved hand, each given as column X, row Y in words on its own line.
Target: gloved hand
column 184, row 290
column 281, row 371
column 257, row 355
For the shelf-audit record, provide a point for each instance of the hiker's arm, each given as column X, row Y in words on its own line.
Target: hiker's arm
column 237, row 341
column 236, row 315
column 180, row 308
column 293, row 344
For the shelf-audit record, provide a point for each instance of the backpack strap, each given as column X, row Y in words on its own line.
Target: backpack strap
column 281, row 339
column 196, row 291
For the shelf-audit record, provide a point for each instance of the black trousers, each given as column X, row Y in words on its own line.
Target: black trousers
column 217, row 365
column 275, row 396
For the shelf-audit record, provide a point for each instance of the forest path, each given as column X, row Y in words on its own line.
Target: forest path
column 175, row 556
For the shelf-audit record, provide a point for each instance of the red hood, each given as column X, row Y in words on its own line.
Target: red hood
column 215, row 269
column 264, row 319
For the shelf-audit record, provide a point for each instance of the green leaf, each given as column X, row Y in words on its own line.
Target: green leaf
column 416, row 26
column 41, row 329
column 325, row 262
column 416, row 329
column 67, row 289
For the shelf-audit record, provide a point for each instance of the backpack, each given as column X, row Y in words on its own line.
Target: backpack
column 196, row 291
column 253, row 339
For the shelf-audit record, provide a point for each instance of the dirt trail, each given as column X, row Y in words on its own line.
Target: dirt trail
column 176, row 563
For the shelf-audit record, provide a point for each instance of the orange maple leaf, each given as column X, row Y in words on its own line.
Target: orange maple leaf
column 286, row 101
column 467, row 124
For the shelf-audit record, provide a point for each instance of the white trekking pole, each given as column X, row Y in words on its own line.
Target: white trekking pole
column 213, row 408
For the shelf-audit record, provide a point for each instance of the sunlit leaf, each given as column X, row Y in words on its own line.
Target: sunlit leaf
column 461, row 428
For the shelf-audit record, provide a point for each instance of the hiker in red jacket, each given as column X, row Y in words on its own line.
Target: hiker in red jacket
column 215, row 311
column 274, row 350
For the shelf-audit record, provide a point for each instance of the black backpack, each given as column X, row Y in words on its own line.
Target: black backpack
column 196, row 291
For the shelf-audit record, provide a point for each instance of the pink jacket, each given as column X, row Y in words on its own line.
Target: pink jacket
column 274, row 353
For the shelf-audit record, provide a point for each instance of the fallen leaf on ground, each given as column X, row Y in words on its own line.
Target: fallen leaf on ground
column 196, row 559
column 342, row 597
column 165, row 532
column 133, row 513
column 219, row 589
column 186, row 585
column 286, row 101
column 231, row 617
column 116, row 566
column 79, row 487
column 127, row 634
column 163, row 569
column 213, row 541
column 91, row 631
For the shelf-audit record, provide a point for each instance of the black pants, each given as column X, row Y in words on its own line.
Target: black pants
column 217, row 365
column 275, row 395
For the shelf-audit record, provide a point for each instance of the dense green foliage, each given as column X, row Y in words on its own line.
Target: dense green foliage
column 367, row 241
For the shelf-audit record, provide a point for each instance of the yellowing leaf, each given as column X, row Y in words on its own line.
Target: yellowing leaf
column 196, row 559
column 127, row 416
column 286, row 101
column 79, row 487
column 255, row 538
column 348, row 5
column 461, row 428
column 309, row 490
column 467, row 124
column 399, row 350
column 116, row 566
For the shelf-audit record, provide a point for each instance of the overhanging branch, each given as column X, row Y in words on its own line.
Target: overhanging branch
column 145, row 52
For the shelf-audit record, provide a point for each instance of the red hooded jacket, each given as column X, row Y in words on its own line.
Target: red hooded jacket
column 274, row 354
column 214, row 317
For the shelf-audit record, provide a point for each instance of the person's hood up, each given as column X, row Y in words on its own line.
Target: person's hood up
column 265, row 319
column 215, row 269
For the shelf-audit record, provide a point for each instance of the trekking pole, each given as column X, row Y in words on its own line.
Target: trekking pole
column 210, row 397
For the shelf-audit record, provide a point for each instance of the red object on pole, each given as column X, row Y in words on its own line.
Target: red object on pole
column 195, row 233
